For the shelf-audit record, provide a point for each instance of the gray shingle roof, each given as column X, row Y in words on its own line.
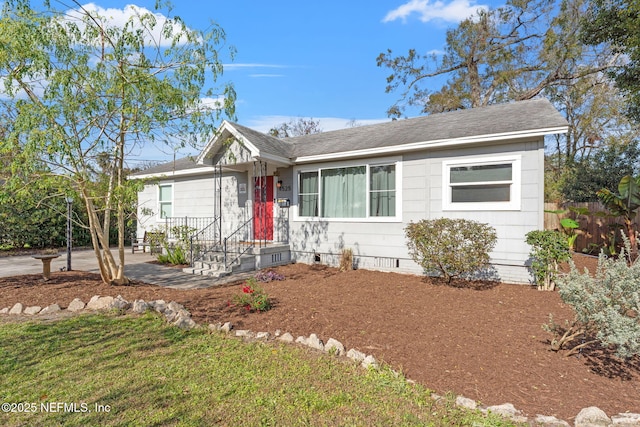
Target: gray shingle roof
column 184, row 163
column 265, row 143
column 491, row 120
column 532, row 115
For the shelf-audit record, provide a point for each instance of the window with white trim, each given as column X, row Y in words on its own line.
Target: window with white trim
column 382, row 190
column 308, row 194
column 487, row 184
column 359, row 191
column 165, row 200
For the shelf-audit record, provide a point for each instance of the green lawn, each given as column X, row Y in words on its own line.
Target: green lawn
column 142, row 372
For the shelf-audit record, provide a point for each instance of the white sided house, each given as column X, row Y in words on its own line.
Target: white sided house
column 253, row 200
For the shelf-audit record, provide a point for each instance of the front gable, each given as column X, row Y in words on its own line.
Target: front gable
column 234, row 144
column 231, row 152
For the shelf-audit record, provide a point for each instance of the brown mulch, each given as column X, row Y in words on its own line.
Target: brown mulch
column 480, row 340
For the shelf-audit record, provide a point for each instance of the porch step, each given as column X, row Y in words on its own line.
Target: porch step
column 215, row 266
column 206, row 272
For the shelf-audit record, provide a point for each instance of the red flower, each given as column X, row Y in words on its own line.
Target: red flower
column 247, row 290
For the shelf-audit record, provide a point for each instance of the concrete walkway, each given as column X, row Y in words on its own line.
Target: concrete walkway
column 137, row 267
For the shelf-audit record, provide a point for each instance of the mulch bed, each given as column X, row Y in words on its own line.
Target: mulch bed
column 480, row 340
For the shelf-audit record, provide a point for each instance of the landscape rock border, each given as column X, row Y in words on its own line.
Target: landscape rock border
column 177, row 315
column 173, row 312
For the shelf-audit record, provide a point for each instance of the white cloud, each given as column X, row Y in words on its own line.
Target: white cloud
column 118, row 18
column 265, row 123
column 427, row 10
column 212, row 103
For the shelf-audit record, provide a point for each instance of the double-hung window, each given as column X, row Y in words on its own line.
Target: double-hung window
column 165, row 200
column 492, row 183
column 382, row 190
column 308, row 194
column 343, row 193
column 358, row 191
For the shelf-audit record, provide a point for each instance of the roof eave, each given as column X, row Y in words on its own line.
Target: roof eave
column 177, row 173
column 416, row 146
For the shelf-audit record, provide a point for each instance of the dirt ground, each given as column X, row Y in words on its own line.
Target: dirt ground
column 481, row 340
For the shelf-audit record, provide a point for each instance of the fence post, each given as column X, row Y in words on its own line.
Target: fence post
column 191, row 249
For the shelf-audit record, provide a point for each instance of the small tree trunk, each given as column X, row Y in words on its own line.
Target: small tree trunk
column 631, row 233
column 109, row 271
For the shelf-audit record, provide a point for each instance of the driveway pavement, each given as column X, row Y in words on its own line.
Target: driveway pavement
column 137, row 267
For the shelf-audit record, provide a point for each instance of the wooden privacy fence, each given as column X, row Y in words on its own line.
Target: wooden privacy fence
column 595, row 230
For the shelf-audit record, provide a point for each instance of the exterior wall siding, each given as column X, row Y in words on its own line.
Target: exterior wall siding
column 375, row 244
column 382, row 245
column 195, row 197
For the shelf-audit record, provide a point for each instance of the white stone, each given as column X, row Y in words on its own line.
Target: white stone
column 286, row 337
column 301, row 340
column 16, row 309
column 76, row 305
column 263, row 335
column 185, row 323
column 626, row 419
column 215, row 327
column 465, row 402
column 226, row 327
column 35, row 309
column 356, row 355
column 99, row 303
column 50, row 309
column 120, row 303
column 592, row 417
column 507, row 410
column 369, row 362
column 245, row 333
column 170, row 315
column 4, row 310
column 549, row 421
column 139, row 306
column 334, row 346
column 158, row 305
column 314, row 342
column 175, row 306
column 277, row 333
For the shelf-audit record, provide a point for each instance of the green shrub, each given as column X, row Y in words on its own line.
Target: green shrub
column 175, row 253
column 450, row 247
column 253, row 297
column 607, row 305
column 548, row 249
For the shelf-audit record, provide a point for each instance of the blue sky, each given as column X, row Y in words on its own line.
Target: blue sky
column 317, row 59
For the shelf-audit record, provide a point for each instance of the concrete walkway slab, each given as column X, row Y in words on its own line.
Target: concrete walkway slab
column 137, row 267
column 82, row 260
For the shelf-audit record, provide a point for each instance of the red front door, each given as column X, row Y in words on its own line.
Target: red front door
column 263, row 208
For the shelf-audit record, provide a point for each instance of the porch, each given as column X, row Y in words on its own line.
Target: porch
column 212, row 253
column 230, row 206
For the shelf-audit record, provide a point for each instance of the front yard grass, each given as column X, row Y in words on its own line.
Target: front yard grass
column 140, row 371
